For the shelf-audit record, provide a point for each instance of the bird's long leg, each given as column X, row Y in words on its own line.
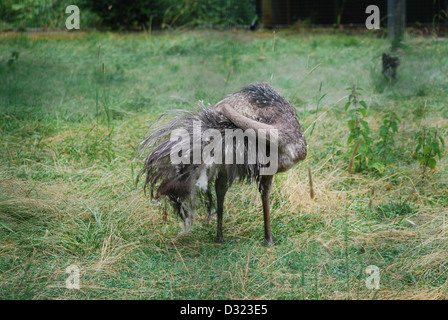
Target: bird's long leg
column 209, row 204
column 265, row 191
column 221, row 187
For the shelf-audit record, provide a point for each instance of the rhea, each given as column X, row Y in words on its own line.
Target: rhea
column 257, row 108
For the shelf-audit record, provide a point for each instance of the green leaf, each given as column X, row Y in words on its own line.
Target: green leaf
column 351, row 124
column 435, row 146
column 420, row 140
column 350, row 139
column 363, row 112
column 394, row 126
column 365, row 124
column 320, row 99
column 383, row 132
column 347, row 105
column 363, row 103
column 432, row 163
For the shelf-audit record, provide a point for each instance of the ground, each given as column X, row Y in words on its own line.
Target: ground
column 74, row 107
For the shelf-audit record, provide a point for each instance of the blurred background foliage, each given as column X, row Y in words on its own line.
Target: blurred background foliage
column 127, row 15
column 36, row 13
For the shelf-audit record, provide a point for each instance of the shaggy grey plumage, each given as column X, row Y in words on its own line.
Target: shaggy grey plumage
column 181, row 183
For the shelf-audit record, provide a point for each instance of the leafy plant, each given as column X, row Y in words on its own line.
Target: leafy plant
column 359, row 139
column 387, row 132
column 429, row 146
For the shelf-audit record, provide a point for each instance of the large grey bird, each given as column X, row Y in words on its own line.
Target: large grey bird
column 254, row 110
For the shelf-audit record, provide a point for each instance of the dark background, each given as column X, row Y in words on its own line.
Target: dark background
column 161, row 14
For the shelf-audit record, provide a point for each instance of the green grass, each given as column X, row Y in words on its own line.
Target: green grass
column 69, row 132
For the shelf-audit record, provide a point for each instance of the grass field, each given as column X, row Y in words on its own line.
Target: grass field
column 69, row 132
